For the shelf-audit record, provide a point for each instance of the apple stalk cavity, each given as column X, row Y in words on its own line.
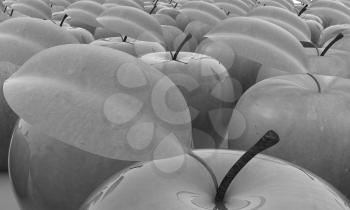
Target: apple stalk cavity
column 268, row 140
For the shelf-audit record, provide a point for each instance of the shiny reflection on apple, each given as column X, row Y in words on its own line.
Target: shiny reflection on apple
column 49, row 174
column 265, row 183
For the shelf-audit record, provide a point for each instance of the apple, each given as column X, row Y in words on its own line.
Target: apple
column 87, row 112
column 101, row 32
column 83, row 14
column 133, row 47
column 329, row 61
column 285, row 19
column 130, row 3
column 49, row 174
column 198, row 29
column 7, row 117
column 254, row 43
column 207, row 88
column 113, row 99
column 131, row 22
column 20, row 39
column 185, row 183
column 32, row 8
column 164, row 19
column 231, row 9
column 310, row 113
column 243, row 5
column 170, row 34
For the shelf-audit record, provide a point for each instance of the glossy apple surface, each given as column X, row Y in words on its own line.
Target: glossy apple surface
column 208, row 90
column 7, row 117
column 21, row 38
column 49, row 174
column 265, row 183
column 313, row 126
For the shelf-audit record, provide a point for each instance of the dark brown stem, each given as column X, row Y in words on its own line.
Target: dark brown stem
column 154, row 7
column 337, row 38
column 175, row 5
column 316, row 81
column 303, row 10
column 268, row 140
column 11, row 13
column 188, row 37
column 63, row 19
column 124, row 38
column 5, row 9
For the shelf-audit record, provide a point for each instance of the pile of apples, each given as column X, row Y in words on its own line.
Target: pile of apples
column 135, row 104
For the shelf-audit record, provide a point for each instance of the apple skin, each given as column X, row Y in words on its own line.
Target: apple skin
column 313, row 126
column 49, row 174
column 7, row 117
column 182, row 183
column 333, row 63
column 133, row 47
column 242, row 70
column 207, row 88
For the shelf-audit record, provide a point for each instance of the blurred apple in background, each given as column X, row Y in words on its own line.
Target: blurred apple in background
column 311, row 118
column 207, row 88
column 133, row 47
column 20, row 39
column 88, row 111
column 83, row 14
column 183, row 183
column 245, row 44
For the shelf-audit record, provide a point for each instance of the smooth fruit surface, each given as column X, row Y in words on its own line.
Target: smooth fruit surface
column 181, row 182
column 49, row 174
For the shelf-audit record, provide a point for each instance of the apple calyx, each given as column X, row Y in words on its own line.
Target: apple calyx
column 303, row 10
column 268, row 140
column 316, row 81
column 174, row 57
column 337, row 38
column 154, row 7
column 63, row 19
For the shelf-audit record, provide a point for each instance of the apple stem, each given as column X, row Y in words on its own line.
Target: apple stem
column 124, row 38
column 316, row 81
column 5, row 9
column 303, row 10
column 268, row 140
column 175, row 5
column 188, row 37
column 310, row 44
column 154, row 7
column 63, row 19
column 11, row 13
column 337, row 38
column 206, row 166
